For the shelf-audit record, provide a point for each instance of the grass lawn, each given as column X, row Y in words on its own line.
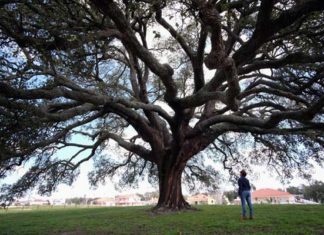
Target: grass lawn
column 269, row 219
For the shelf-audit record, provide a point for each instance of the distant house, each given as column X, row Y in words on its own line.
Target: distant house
column 129, row 200
column 39, row 202
column 21, row 202
column 58, row 202
column 32, row 202
column 198, row 199
column 205, row 199
column 216, row 199
column 104, row 201
column 272, row 196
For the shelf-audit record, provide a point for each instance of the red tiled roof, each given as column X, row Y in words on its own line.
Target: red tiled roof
column 269, row 193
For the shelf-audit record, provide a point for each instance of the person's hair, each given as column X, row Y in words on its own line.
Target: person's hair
column 243, row 173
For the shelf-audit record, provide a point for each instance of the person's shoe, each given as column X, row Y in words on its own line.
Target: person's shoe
column 251, row 217
column 243, row 218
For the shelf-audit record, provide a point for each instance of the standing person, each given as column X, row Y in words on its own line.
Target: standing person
column 245, row 194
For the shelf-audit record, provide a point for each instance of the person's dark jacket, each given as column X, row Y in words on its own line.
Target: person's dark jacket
column 244, row 185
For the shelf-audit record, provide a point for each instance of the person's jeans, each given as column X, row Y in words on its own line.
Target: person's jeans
column 246, row 197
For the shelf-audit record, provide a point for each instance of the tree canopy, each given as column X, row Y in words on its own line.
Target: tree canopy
column 182, row 76
column 314, row 191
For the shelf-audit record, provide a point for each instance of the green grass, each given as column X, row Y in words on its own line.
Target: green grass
column 269, row 219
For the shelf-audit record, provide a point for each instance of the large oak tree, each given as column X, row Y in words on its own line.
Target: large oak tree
column 183, row 76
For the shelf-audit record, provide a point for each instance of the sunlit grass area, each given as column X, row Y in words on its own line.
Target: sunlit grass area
column 269, row 219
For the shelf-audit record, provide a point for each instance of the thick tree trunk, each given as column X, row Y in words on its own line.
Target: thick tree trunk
column 171, row 198
column 170, row 171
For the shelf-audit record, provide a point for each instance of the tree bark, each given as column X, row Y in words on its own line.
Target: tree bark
column 171, row 198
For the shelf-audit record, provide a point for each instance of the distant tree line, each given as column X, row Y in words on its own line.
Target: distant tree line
column 86, row 201
column 78, row 201
column 314, row 191
column 231, row 195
